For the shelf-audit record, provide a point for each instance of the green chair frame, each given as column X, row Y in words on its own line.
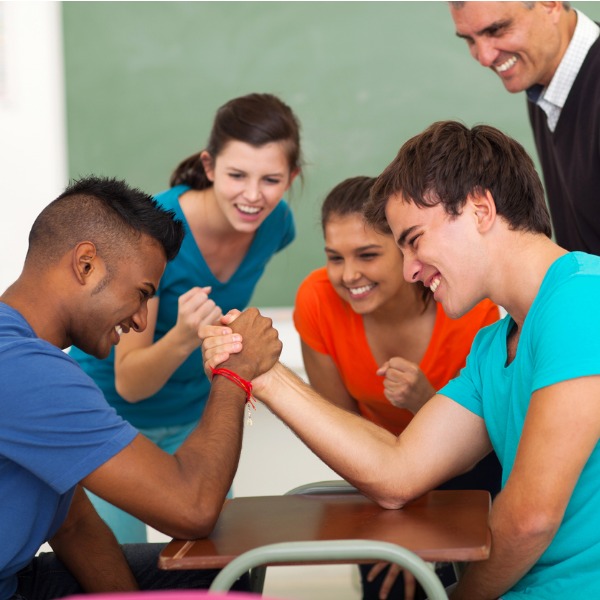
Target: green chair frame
column 330, row 551
column 255, row 561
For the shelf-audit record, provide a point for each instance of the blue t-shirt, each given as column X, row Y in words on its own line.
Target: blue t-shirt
column 560, row 340
column 183, row 398
column 55, row 429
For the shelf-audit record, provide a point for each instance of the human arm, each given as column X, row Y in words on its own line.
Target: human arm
column 442, row 440
column 404, row 384
column 528, row 511
column 142, row 365
column 324, row 377
column 89, row 549
column 182, row 495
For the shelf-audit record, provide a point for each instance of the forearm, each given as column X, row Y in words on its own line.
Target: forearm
column 143, row 371
column 514, row 551
column 208, row 459
column 352, row 446
column 90, row 551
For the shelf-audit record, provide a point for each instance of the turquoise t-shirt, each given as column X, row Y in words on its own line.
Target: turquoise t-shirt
column 183, row 398
column 560, row 340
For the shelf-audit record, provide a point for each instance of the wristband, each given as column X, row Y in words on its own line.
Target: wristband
column 240, row 382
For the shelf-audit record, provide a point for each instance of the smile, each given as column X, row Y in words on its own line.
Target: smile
column 248, row 210
column 507, row 64
column 360, row 291
column 435, row 283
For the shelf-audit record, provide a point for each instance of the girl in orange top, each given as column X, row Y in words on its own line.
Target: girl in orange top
column 373, row 343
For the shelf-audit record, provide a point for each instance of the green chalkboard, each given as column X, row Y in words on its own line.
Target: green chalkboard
column 144, row 79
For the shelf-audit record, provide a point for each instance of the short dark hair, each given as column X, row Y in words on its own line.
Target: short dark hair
column 108, row 213
column 448, row 161
column 255, row 119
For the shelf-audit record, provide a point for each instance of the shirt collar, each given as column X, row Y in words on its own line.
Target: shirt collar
column 585, row 34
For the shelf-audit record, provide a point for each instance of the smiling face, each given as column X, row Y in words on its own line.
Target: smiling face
column 248, row 182
column 363, row 265
column 522, row 45
column 117, row 301
column 438, row 250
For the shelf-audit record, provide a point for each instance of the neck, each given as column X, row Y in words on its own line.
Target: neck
column 518, row 274
column 39, row 308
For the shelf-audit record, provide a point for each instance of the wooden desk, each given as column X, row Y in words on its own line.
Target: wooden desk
column 441, row 526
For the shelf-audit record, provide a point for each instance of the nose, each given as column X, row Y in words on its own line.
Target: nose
column 350, row 273
column 411, row 268
column 139, row 320
column 252, row 191
column 483, row 52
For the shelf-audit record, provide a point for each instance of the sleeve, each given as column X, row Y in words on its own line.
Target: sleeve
column 56, row 422
column 466, row 389
column 565, row 336
column 307, row 316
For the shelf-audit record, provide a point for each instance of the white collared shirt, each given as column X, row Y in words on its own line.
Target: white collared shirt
column 553, row 98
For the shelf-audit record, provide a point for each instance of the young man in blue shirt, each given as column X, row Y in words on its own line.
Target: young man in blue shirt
column 95, row 258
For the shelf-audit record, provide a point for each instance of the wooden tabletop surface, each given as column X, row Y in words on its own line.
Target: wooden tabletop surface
column 445, row 526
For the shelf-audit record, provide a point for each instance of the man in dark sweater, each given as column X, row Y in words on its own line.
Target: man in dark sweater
column 552, row 52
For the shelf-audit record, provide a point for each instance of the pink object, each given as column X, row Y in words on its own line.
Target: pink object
column 171, row 595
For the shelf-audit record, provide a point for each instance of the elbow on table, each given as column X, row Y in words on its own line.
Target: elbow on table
column 390, row 498
column 192, row 524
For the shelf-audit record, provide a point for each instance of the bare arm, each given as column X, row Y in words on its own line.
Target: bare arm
column 527, row 513
column 90, row 551
column 325, row 378
column 142, row 366
column 443, row 440
column 182, row 495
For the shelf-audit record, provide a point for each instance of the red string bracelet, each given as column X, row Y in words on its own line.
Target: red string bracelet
column 240, row 382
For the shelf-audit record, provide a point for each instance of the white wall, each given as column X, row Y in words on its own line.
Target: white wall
column 33, row 158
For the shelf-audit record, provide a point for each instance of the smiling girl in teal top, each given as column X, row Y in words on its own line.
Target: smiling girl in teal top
column 229, row 197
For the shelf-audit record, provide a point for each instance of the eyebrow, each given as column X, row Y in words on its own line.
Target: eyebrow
column 402, row 239
column 490, row 29
column 359, row 249
column 238, row 170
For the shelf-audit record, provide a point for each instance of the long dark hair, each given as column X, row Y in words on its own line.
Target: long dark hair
column 351, row 197
column 255, row 119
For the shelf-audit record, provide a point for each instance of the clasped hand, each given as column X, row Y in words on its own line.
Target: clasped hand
column 248, row 331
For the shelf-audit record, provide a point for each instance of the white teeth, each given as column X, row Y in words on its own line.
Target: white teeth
column 357, row 291
column 433, row 286
column 119, row 330
column 249, row 210
column 506, row 65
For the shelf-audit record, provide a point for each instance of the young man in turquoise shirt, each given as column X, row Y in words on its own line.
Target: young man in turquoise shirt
column 467, row 210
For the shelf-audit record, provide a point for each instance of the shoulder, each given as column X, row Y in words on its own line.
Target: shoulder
column 570, row 291
column 282, row 213
column 316, row 286
column 169, row 199
column 317, row 301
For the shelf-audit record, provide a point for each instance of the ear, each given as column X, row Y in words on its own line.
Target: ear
column 209, row 165
column 553, row 10
column 483, row 207
column 293, row 176
column 85, row 261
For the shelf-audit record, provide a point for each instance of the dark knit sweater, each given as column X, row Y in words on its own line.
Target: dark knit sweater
column 570, row 159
